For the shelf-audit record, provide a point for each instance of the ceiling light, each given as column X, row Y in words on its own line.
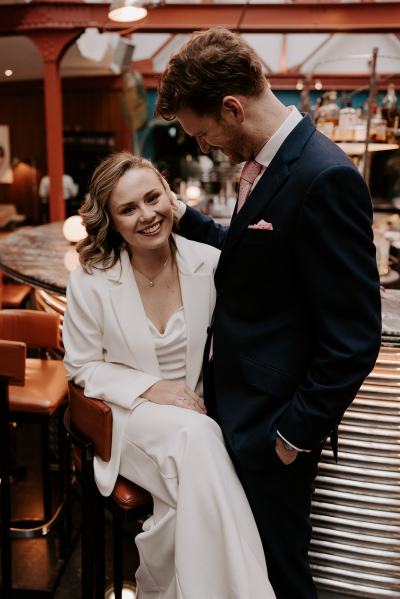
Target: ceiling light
column 8, row 72
column 126, row 11
column 299, row 85
column 318, row 84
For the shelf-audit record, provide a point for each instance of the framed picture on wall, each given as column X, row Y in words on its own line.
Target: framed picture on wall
column 6, row 175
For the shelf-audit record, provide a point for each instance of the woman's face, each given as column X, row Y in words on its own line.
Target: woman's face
column 141, row 210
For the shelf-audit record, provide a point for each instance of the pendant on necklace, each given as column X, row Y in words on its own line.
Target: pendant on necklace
column 151, row 283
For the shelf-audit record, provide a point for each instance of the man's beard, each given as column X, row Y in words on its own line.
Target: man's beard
column 236, row 150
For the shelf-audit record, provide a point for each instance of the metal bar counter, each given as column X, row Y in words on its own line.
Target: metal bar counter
column 355, row 549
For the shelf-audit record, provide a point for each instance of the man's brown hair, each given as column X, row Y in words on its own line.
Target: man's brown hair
column 211, row 65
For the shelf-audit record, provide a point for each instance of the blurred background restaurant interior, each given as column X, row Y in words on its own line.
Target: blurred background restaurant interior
column 75, row 86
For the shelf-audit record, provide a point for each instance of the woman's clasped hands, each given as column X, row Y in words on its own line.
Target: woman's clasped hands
column 175, row 393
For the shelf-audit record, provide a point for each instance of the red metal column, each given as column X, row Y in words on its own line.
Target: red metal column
column 52, row 46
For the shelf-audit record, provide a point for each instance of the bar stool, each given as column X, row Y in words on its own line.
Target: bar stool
column 34, row 390
column 89, row 424
column 12, row 295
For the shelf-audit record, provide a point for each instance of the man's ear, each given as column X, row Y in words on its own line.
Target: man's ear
column 233, row 107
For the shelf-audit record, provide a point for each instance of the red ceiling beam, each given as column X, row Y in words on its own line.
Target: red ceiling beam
column 272, row 18
column 183, row 18
column 113, row 82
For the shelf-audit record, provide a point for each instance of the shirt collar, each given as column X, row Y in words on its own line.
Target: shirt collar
column 268, row 151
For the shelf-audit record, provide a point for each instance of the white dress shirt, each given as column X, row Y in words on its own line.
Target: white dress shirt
column 268, row 151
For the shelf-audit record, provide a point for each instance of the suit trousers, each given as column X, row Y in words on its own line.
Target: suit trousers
column 280, row 497
column 201, row 541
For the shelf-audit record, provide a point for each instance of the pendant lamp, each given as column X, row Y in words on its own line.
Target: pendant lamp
column 127, row 11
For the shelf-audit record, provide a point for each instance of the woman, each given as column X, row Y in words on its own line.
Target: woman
column 134, row 332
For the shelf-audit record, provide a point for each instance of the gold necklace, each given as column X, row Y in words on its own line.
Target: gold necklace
column 151, row 281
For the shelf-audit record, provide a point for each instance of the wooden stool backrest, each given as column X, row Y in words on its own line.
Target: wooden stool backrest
column 36, row 329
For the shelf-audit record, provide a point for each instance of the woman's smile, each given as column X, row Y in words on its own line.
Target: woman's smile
column 152, row 230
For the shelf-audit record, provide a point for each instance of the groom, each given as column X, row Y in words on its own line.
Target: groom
column 296, row 326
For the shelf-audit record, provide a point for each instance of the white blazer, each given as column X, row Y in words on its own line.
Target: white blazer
column 109, row 349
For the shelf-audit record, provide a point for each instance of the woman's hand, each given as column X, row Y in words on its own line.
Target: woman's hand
column 175, row 393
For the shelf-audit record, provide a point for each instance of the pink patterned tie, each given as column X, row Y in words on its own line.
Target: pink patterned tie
column 250, row 172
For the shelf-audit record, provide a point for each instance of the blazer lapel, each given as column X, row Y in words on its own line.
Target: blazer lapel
column 269, row 184
column 195, row 289
column 131, row 317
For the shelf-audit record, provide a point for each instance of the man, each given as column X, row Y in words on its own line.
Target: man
column 296, row 327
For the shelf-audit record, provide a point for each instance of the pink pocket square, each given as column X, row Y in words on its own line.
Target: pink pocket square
column 263, row 225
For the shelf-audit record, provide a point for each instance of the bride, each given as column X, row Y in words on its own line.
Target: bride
column 134, row 331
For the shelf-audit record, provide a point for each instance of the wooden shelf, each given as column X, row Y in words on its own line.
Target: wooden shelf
column 357, row 148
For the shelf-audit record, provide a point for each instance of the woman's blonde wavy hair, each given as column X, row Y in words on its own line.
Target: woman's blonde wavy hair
column 102, row 247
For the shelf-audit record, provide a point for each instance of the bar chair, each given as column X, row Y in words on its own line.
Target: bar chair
column 12, row 295
column 89, row 424
column 31, row 390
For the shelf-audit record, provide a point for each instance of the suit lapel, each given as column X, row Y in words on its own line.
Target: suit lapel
column 131, row 317
column 267, row 187
column 259, row 198
column 195, row 289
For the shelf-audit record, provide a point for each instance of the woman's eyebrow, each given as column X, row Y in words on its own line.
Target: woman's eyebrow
column 146, row 196
column 150, row 192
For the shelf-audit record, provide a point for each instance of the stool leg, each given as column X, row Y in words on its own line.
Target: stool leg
column 6, row 563
column 88, row 527
column 100, row 575
column 46, row 482
column 118, row 566
column 64, row 492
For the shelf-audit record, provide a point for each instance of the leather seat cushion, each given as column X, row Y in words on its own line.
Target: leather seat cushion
column 128, row 495
column 45, row 387
column 13, row 295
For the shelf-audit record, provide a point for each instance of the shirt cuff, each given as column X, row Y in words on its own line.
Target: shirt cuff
column 291, row 444
column 180, row 210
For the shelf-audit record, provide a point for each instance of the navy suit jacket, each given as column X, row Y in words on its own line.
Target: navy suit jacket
column 297, row 322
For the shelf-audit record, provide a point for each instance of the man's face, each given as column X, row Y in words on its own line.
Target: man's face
column 223, row 134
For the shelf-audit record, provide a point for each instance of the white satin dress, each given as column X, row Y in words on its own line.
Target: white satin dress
column 201, row 541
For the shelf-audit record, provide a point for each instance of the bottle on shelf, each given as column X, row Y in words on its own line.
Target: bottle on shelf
column 328, row 114
column 378, row 127
column 390, row 111
column 348, row 120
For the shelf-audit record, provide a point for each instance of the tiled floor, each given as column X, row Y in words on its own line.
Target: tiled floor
column 69, row 587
